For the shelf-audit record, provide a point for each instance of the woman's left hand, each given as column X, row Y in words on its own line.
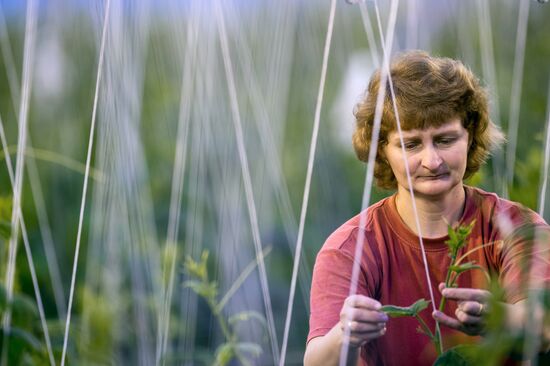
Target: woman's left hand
column 472, row 306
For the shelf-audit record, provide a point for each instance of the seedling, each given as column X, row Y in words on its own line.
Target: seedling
column 457, row 239
column 414, row 311
column 232, row 348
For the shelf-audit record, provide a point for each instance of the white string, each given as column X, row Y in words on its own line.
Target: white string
column 46, row 233
column 38, row 196
column 305, row 198
column 515, row 97
column 7, row 54
column 177, row 185
column 370, row 34
column 411, row 191
column 28, row 251
column 535, row 321
column 199, row 161
column 542, row 194
column 385, row 73
column 86, row 175
column 373, row 150
column 265, row 120
column 409, row 182
column 28, row 58
column 246, row 179
column 489, row 74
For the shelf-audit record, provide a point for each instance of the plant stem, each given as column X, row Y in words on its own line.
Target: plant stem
column 438, row 345
column 434, row 338
column 424, row 326
column 447, row 279
column 221, row 320
column 437, row 337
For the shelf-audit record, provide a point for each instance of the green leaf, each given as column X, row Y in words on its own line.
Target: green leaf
column 453, row 238
column 197, row 269
column 458, row 237
column 244, row 316
column 420, row 305
column 224, row 354
column 400, row 311
column 22, row 344
column 25, row 337
column 208, row 290
column 252, row 349
column 396, row 311
column 5, row 229
column 5, row 208
column 462, row 355
column 24, row 311
column 465, row 267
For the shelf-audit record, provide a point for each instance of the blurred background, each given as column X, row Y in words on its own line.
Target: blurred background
column 201, row 140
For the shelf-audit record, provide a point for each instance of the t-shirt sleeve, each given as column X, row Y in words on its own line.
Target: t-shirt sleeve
column 329, row 288
column 525, row 261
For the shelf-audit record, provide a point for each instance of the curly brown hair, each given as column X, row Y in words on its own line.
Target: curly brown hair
column 429, row 92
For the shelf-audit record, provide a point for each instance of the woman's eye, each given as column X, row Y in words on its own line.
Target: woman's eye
column 410, row 145
column 446, row 141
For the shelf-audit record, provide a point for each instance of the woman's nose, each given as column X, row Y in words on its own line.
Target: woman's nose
column 431, row 159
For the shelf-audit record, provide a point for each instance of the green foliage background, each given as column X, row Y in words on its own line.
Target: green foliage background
column 59, row 123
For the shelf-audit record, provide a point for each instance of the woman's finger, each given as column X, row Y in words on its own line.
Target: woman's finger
column 466, row 294
column 363, row 338
column 468, row 319
column 360, row 327
column 471, row 327
column 446, row 320
column 363, row 302
column 474, row 308
column 362, row 315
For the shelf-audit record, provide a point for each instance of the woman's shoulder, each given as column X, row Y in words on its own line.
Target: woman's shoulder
column 495, row 207
column 346, row 235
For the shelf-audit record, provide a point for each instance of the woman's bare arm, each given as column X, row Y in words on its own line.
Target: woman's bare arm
column 362, row 316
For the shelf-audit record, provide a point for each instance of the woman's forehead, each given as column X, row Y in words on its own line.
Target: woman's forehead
column 453, row 125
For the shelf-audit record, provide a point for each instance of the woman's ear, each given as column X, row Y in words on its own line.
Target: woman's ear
column 382, row 155
column 381, row 151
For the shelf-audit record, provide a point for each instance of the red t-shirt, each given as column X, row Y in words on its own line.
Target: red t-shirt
column 392, row 271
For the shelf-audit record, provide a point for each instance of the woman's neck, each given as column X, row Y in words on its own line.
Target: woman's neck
column 434, row 213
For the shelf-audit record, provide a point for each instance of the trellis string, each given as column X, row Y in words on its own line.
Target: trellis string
column 177, row 186
column 28, row 252
column 37, row 194
column 311, row 160
column 386, row 43
column 28, row 59
column 246, row 178
column 515, row 97
column 86, row 175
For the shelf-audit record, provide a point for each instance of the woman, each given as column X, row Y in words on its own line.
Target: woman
column 447, row 135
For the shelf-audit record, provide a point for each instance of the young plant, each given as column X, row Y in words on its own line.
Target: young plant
column 457, row 239
column 24, row 337
column 5, row 230
column 413, row 310
column 232, row 348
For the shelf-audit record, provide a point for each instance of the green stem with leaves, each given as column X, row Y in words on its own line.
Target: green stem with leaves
column 437, row 337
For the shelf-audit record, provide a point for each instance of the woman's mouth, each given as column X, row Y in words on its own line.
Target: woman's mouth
column 435, row 176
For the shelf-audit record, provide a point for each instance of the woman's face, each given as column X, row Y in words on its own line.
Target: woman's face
column 436, row 157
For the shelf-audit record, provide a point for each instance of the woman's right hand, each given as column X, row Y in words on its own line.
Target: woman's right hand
column 362, row 318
